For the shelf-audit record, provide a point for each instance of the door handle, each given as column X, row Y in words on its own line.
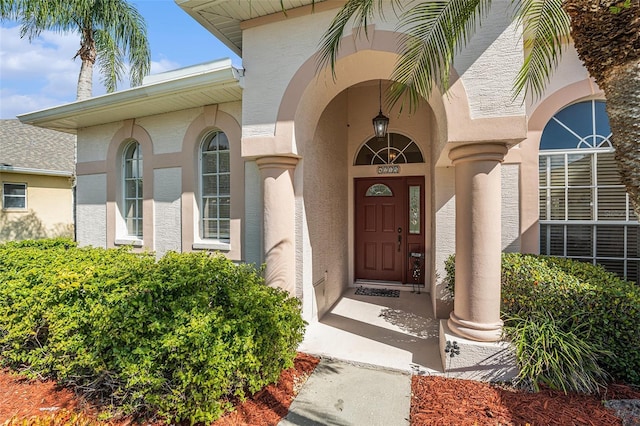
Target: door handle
column 399, row 238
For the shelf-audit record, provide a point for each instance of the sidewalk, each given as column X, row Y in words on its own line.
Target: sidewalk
column 343, row 394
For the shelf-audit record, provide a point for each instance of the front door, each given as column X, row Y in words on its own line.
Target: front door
column 389, row 229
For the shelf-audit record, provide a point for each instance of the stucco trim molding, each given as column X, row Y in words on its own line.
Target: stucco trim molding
column 575, row 92
column 478, row 152
column 91, row 168
column 281, row 162
column 211, row 119
column 129, row 131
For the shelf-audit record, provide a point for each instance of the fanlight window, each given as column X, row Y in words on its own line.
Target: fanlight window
column 379, row 190
column 581, row 125
column 585, row 212
column 394, row 149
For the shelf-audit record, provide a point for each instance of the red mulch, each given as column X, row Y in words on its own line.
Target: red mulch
column 435, row 401
column 26, row 398
column 443, row 401
column 271, row 404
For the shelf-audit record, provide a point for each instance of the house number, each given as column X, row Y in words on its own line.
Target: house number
column 384, row 170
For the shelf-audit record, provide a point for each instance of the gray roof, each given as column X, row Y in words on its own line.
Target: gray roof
column 23, row 146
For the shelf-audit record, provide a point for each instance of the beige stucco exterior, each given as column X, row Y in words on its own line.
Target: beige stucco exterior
column 49, row 208
column 294, row 136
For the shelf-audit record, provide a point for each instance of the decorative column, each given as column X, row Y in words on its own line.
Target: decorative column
column 279, row 220
column 476, row 313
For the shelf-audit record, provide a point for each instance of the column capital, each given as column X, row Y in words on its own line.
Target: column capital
column 283, row 162
column 484, row 151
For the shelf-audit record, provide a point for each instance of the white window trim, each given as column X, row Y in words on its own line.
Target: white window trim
column 15, row 209
column 125, row 238
column 202, row 245
column 199, row 242
column 135, row 242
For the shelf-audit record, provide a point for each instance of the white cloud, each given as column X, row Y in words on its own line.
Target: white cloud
column 37, row 74
column 43, row 73
column 13, row 104
column 163, row 65
column 23, row 60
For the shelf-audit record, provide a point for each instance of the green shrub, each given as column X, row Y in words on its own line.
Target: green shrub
column 597, row 306
column 550, row 354
column 179, row 336
column 450, row 278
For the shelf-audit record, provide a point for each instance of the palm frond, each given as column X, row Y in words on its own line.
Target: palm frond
column 433, row 33
column 109, row 58
column 362, row 12
column 130, row 35
column 546, row 28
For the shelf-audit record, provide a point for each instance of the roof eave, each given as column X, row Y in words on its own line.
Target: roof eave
column 34, row 171
column 145, row 98
column 209, row 27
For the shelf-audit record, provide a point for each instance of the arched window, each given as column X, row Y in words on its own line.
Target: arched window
column 584, row 209
column 394, row 149
column 379, row 190
column 215, row 187
column 132, row 163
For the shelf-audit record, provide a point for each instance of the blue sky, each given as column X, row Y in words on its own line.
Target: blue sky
column 42, row 74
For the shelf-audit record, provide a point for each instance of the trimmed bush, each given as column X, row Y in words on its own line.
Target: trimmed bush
column 179, row 336
column 596, row 306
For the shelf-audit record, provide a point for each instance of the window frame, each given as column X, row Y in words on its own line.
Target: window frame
column 217, row 241
column 139, row 192
column 556, row 232
column 390, row 153
column 5, row 196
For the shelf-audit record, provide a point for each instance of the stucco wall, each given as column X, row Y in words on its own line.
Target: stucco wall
column 444, row 229
column 170, row 145
column 253, row 214
column 325, row 204
column 167, row 187
column 487, row 68
column 510, row 207
column 490, row 63
column 93, row 142
column 168, row 130
column 49, row 208
column 91, row 220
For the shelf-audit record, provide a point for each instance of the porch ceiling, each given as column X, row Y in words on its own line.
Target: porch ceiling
column 223, row 18
column 197, row 86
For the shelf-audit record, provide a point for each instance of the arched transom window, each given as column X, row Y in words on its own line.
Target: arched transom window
column 132, row 163
column 215, row 187
column 585, row 212
column 394, row 149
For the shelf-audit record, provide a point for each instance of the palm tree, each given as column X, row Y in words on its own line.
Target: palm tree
column 606, row 35
column 108, row 30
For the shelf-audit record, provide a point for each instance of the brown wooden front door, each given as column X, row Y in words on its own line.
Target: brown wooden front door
column 388, row 228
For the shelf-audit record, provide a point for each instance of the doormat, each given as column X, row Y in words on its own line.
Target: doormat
column 365, row 291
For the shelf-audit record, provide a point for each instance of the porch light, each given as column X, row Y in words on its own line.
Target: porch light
column 380, row 122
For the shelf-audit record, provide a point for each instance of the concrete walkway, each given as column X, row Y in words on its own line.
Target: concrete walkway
column 398, row 333
column 342, row 394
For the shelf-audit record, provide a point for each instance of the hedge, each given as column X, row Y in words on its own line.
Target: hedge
column 178, row 337
column 596, row 305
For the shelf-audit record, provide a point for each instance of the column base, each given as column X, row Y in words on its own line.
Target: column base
column 480, row 332
column 484, row 361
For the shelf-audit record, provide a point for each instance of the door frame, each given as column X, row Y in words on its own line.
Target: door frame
column 410, row 242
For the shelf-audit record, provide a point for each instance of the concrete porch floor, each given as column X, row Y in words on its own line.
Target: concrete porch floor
column 399, row 333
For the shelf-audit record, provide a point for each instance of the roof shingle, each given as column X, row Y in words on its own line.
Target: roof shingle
column 26, row 146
